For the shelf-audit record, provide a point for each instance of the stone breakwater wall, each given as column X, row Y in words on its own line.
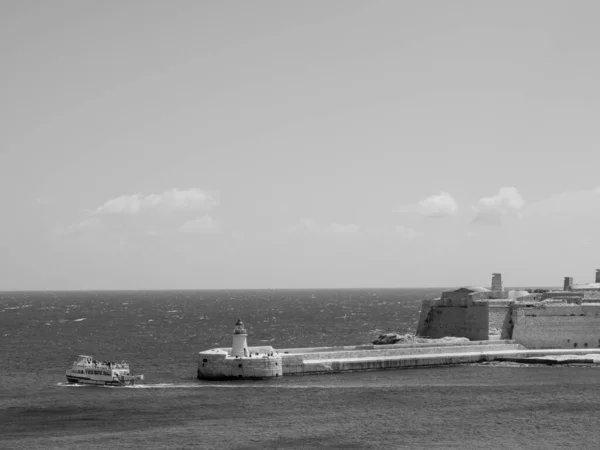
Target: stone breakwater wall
column 335, row 359
column 216, row 364
column 320, row 361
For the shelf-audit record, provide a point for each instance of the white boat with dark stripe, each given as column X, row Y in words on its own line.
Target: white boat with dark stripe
column 86, row 370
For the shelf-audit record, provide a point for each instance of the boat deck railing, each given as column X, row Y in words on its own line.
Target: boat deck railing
column 102, row 365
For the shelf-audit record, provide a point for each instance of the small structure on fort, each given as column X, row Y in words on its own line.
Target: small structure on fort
column 497, row 282
column 582, row 287
column 239, row 361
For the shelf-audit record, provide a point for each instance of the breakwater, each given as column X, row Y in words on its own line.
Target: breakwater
column 496, row 325
column 394, row 356
column 325, row 360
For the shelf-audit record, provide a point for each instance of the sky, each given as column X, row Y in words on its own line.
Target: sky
column 314, row 144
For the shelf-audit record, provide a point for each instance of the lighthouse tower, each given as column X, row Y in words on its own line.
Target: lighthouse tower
column 240, row 345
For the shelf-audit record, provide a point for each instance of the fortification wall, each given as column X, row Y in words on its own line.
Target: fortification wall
column 500, row 318
column 569, row 326
column 426, row 306
column 467, row 319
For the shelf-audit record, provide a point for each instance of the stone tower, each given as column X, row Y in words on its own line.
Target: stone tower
column 497, row 282
column 569, row 283
column 240, row 344
column 597, row 275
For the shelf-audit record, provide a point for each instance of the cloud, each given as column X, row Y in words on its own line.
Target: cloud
column 343, row 228
column 407, row 233
column 567, row 203
column 202, row 224
column 494, row 210
column 79, row 226
column 309, row 224
column 170, row 200
column 305, row 224
column 440, row 205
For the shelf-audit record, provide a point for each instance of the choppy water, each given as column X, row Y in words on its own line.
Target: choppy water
column 160, row 333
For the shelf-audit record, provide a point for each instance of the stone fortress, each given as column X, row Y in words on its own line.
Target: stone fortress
column 466, row 325
column 542, row 319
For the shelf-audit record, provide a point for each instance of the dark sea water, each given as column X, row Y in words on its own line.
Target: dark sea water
column 160, row 333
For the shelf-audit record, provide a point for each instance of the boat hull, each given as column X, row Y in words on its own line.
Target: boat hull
column 220, row 376
column 97, row 382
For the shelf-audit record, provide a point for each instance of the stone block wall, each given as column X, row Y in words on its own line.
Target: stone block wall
column 572, row 326
column 469, row 319
column 500, row 318
column 426, row 306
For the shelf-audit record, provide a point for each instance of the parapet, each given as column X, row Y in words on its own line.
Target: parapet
column 562, row 295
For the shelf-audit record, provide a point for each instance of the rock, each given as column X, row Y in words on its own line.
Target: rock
column 392, row 338
column 395, row 338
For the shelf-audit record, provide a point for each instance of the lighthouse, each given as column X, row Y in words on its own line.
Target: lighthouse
column 240, row 345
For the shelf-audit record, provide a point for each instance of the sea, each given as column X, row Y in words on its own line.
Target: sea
column 487, row 406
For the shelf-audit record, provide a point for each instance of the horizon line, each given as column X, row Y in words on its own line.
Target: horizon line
column 261, row 289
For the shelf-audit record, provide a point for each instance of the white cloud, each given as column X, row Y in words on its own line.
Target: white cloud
column 407, row 233
column 310, row 224
column 567, row 203
column 305, row 224
column 439, row 205
column 493, row 210
column 170, row 200
column 80, row 226
column 343, row 228
column 202, row 224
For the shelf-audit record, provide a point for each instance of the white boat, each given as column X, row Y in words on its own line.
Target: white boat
column 86, row 370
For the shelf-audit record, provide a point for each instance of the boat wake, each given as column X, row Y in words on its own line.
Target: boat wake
column 223, row 385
